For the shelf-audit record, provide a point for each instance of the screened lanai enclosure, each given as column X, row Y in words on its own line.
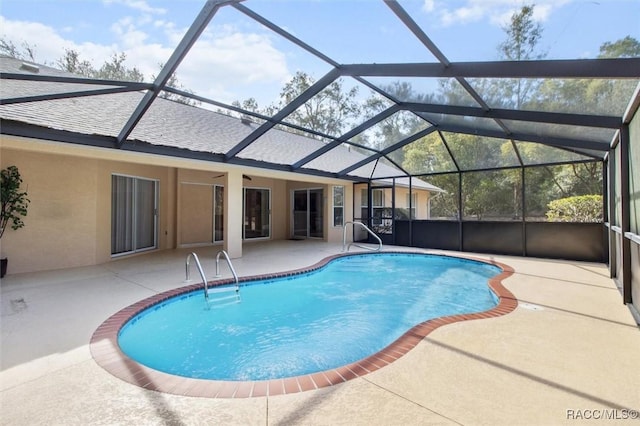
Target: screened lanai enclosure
column 524, row 155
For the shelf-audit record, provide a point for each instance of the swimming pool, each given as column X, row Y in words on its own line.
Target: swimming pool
column 349, row 309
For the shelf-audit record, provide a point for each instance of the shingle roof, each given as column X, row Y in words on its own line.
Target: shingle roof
column 166, row 123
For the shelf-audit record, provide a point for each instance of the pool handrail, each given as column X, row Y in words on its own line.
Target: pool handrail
column 233, row 271
column 366, row 228
column 202, row 275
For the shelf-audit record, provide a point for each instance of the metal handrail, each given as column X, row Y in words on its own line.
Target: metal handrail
column 366, row 228
column 202, row 275
column 233, row 271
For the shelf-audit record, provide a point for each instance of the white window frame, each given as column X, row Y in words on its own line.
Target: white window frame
column 412, row 204
column 338, row 203
column 374, row 206
column 364, row 197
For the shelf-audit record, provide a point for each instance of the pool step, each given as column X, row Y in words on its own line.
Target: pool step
column 226, row 295
column 222, row 289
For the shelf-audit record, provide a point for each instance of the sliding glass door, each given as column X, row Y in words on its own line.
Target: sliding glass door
column 257, row 213
column 218, row 213
column 308, row 218
column 134, row 204
column 300, row 213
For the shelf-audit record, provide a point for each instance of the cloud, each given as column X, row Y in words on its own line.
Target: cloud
column 225, row 64
column 128, row 33
column 48, row 44
column 497, row 12
column 428, row 5
column 139, row 5
column 462, row 15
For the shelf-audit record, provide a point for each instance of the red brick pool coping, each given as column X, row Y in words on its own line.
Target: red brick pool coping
column 106, row 351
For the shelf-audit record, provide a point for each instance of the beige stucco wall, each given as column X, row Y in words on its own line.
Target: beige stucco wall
column 61, row 225
column 422, row 204
column 69, row 218
column 281, row 191
column 422, row 211
column 194, row 212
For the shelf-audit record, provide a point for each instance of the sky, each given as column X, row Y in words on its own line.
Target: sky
column 237, row 58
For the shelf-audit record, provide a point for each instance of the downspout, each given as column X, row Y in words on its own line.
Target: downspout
column 625, row 213
column 524, row 212
column 369, row 207
column 460, row 247
column 612, row 164
column 410, row 215
column 608, row 211
column 393, row 211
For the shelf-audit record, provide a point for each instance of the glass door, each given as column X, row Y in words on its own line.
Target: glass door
column 218, row 213
column 316, row 216
column 308, row 213
column 134, row 208
column 257, row 213
column 300, row 208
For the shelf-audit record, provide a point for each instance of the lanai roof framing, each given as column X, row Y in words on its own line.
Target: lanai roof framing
column 434, row 115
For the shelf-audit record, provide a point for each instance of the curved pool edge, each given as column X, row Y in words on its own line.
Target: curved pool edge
column 106, row 352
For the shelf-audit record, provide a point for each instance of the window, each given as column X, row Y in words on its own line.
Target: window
column 364, row 197
column 134, row 204
column 257, row 213
column 218, row 213
column 412, row 203
column 338, row 205
column 364, row 204
column 377, row 199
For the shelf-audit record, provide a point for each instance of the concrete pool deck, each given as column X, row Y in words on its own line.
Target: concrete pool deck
column 566, row 355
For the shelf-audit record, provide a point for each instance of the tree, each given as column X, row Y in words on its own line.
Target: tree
column 328, row 112
column 523, row 36
column 587, row 96
column 115, row 69
column 592, row 96
column 398, row 126
column 25, row 51
column 627, row 47
column 175, row 83
column 444, row 205
column 72, row 63
column 331, row 111
column 500, row 193
column 112, row 69
column 583, row 208
column 250, row 105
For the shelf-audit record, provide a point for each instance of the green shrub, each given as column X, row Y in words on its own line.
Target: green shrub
column 581, row 208
column 14, row 202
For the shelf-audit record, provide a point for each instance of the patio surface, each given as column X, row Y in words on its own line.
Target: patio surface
column 568, row 354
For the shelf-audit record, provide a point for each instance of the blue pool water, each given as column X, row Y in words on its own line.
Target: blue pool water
column 347, row 310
